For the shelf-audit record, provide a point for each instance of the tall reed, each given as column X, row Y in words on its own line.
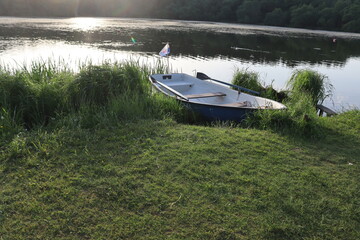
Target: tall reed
column 97, row 85
column 34, row 95
column 115, row 92
column 313, row 83
column 251, row 80
column 307, row 88
column 8, row 124
column 247, row 79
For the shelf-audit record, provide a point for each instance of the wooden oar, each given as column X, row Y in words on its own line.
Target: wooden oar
column 203, row 76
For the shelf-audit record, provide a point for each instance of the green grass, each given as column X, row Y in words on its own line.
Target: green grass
column 298, row 120
column 47, row 93
column 43, row 93
column 247, row 79
column 115, row 161
column 36, row 95
column 163, row 180
column 316, row 85
column 306, row 89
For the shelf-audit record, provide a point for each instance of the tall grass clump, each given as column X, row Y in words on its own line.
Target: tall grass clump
column 247, row 79
column 34, row 95
column 46, row 93
column 16, row 95
column 312, row 83
column 251, row 80
column 8, row 125
column 97, row 85
column 299, row 119
column 306, row 89
column 113, row 92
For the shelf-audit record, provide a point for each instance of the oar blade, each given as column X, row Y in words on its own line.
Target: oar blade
column 202, row 76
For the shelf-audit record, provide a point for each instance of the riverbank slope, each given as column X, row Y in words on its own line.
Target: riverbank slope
column 158, row 179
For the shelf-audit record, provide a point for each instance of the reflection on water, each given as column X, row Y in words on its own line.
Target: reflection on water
column 216, row 49
column 85, row 24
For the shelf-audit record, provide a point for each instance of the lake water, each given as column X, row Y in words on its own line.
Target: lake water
column 216, row 49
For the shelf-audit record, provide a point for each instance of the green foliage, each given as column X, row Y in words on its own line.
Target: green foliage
column 97, row 85
column 120, row 167
column 110, row 93
column 276, row 18
column 352, row 26
column 107, row 94
column 329, row 18
column 96, row 96
column 16, row 94
column 299, row 119
column 304, row 16
column 307, row 89
column 34, row 96
column 312, row 83
column 8, row 125
column 247, row 79
column 251, row 80
column 249, row 12
column 327, row 14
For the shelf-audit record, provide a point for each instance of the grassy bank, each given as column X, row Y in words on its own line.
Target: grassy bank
column 46, row 94
column 100, row 169
column 163, row 180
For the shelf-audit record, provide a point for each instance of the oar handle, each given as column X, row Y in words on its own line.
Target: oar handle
column 203, row 76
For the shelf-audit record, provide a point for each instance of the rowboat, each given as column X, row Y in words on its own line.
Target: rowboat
column 212, row 99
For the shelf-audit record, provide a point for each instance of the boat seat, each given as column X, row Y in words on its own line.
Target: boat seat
column 206, row 95
column 179, row 84
column 323, row 109
column 238, row 104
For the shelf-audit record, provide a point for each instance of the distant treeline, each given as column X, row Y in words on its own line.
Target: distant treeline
column 340, row 15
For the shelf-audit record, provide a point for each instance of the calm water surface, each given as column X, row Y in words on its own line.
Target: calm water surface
column 214, row 48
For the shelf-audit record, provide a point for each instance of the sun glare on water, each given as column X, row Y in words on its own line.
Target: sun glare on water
column 85, row 24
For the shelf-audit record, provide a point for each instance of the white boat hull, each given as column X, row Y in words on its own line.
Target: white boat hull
column 211, row 100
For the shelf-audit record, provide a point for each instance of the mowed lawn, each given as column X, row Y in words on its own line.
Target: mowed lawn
column 165, row 180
